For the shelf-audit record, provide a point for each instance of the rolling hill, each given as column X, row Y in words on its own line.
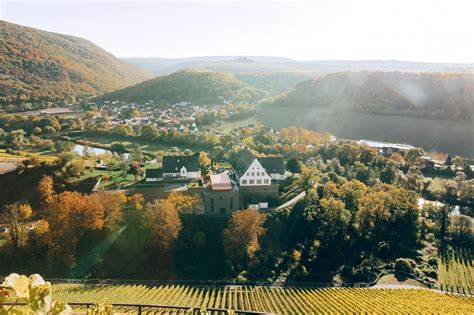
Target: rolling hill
column 247, row 64
column 38, row 66
column 199, row 86
column 274, row 82
column 426, row 95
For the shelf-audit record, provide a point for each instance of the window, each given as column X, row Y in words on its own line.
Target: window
column 212, row 204
column 244, row 182
column 248, row 173
column 259, row 181
column 265, row 181
column 251, row 181
column 253, row 174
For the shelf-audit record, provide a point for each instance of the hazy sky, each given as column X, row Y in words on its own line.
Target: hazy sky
column 438, row 31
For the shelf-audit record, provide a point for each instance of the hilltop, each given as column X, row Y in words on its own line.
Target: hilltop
column 38, row 66
column 199, row 86
column 241, row 64
column 427, row 95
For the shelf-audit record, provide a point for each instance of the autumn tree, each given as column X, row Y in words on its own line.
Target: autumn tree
column 204, row 161
column 46, row 190
column 112, row 203
column 389, row 214
column 241, row 236
column 17, row 216
column 162, row 219
column 185, row 203
column 71, row 214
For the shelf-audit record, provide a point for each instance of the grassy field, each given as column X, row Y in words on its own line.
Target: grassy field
column 456, row 273
column 116, row 179
column 288, row 300
column 147, row 146
column 227, row 126
column 26, row 153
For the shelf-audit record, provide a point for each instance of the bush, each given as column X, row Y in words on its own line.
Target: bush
column 405, row 265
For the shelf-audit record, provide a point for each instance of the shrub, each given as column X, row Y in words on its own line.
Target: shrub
column 405, row 265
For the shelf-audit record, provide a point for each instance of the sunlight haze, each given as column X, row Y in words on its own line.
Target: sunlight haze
column 321, row 30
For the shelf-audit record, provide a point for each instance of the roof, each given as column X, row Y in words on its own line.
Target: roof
column 173, row 164
column 381, row 145
column 153, row 173
column 221, row 181
column 273, row 164
column 244, row 160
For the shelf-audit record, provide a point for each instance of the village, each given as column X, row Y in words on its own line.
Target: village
column 183, row 116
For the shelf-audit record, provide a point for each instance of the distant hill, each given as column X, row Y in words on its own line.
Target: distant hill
column 199, row 86
column 274, row 83
column 427, row 95
column 229, row 64
column 39, row 66
column 248, row 64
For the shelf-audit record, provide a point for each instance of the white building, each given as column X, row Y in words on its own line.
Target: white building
column 182, row 166
column 259, row 171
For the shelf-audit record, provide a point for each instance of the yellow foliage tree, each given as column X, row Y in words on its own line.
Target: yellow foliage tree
column 242, row 234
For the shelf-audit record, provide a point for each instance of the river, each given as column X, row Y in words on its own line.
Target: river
column 454, row 137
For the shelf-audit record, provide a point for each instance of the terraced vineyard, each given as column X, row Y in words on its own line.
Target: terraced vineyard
column 456, row 274
column 287, row 300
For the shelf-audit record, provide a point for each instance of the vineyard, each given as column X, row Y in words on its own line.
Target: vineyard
column 280, row 300
column 456, row 273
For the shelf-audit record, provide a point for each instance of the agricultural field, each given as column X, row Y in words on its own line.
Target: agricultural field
column 19, row 155
column 287, row 300
column 456, row 273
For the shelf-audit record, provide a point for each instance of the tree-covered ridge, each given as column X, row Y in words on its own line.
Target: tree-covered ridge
column 426, row 95
column 274, row 82
column 199, row 86
column 38, row 67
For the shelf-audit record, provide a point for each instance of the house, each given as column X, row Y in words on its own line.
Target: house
column 153, row 175
column 274, row 166
column 222, row 196
column 385, row 148
column 181, row 167
column 255, row 171
column 258, row 177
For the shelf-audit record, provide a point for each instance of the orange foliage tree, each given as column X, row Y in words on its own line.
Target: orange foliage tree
column 70, row 214
column 242, row 233
column 162, row 219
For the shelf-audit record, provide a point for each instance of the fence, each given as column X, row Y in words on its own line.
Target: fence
column 153, row 308
column 210, row 283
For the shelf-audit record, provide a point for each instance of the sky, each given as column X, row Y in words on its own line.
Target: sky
column 430, row 31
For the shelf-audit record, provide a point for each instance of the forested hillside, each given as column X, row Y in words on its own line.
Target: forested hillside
column 428, row 95
column 38, row 67
column 199, row 86
column 274, row 82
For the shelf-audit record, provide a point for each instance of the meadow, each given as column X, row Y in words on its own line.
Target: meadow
column 280, row 300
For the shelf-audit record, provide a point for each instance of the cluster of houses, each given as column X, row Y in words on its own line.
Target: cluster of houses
column 252, row 182
column 179, row 116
